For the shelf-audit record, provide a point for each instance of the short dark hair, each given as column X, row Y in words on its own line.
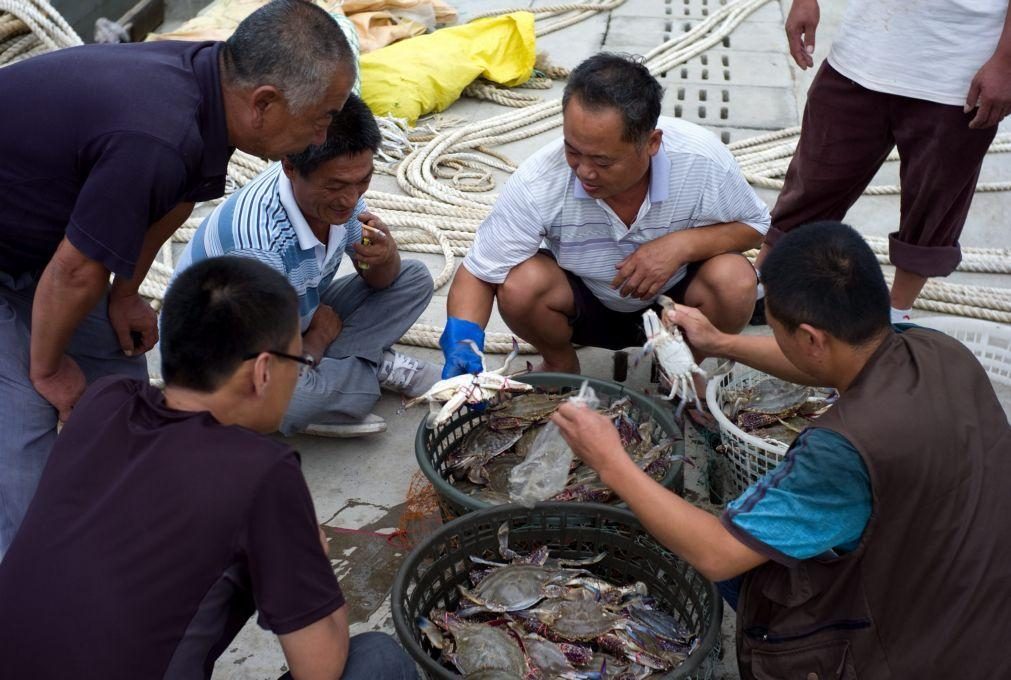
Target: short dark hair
column 220, row 311
column 824, row 274
column 619, row 81
column 351, row 132
column 293, row 45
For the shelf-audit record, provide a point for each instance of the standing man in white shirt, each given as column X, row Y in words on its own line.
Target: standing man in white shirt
column 932, row 78
column 628, row 205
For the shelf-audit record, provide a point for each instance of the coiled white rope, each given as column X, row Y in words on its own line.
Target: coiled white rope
column 445, row 170
column 30, row 27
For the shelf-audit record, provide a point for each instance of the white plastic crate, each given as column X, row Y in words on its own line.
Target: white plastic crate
column 751, row 457
column 989, row 341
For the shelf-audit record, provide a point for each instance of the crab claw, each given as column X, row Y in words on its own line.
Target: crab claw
column 431, row 631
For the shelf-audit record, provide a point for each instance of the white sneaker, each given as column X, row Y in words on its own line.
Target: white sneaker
column 370, row 424
column 405, row 374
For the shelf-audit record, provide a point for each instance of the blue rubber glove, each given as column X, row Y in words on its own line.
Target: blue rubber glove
column 460, row 358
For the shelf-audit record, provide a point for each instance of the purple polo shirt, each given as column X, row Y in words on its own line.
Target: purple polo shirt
column 152, row 537
column 100, row 141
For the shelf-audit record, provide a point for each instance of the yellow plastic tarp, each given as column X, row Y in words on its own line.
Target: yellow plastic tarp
column 425, row 74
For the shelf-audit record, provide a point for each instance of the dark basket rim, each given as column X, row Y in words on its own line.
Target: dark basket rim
column 447, row 490
column 405, row 628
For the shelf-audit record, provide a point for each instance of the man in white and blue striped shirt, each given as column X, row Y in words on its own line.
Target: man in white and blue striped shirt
column 593, row 227
column 300, row 217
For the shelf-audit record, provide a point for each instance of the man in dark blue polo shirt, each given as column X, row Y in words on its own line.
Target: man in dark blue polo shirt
column 105, row 149
column 164, row 520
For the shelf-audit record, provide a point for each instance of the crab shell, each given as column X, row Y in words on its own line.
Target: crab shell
column 673, row 356
column 482, row 647
column 515, row 587
column 524, row 410
column 581, row 619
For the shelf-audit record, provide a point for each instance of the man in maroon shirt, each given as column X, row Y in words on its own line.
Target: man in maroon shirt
column 104, row 155
column 163, row 521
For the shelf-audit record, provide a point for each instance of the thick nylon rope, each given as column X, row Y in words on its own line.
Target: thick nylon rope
column 445, row 173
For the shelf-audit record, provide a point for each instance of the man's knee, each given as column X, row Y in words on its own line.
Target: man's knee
column 414, row 274
column 727, row 279
column 529, row 284
column 377, row 656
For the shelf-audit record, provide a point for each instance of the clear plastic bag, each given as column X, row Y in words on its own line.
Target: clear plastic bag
column 545, row 472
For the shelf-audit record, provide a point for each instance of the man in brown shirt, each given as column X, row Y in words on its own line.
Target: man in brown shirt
column 920, row 590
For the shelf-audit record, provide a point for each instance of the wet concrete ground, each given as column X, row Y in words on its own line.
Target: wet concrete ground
column 746, row 86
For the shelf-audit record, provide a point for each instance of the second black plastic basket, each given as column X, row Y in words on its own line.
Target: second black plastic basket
column 432, row 571
column 433, row 446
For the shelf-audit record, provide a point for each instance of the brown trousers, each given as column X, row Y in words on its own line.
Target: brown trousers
column 848, row 132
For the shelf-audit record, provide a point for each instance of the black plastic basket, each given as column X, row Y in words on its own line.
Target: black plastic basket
column 432, row 571
column 432, row 446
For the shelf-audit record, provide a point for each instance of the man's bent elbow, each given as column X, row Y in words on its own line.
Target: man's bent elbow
column 70, row 268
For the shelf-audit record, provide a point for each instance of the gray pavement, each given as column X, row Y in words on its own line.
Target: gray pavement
column 746, row 86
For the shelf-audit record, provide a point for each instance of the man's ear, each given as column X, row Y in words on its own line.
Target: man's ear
column 813, row 341
column 265, row 101
column 654, row 141
column 261, row 373
column 288, row 168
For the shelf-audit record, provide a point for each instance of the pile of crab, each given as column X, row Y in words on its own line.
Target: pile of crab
column 536, row 617
column 480, row 464
column 773, row 409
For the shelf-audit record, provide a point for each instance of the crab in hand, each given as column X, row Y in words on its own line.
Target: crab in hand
column 469, row 388
column 677, row 365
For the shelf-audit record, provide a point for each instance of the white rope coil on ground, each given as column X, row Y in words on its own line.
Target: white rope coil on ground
column 444, row 168
column 30, row 27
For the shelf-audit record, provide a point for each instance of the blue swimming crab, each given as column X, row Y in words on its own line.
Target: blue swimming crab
column 475, row 647
column 770, row 400
column 469, row 388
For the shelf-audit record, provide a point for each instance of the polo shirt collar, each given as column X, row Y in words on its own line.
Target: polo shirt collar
column 211, row 116
column 659, row 179
column 306, row 238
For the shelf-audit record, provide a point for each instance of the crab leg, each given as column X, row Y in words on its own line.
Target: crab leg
column 477, row 351
column 509, row 359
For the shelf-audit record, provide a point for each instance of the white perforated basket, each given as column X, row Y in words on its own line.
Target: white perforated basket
column 989, row 341
column 751, row 457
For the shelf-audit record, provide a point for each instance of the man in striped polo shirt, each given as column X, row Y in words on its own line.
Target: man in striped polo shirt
column 299, row 216
column 628, row 205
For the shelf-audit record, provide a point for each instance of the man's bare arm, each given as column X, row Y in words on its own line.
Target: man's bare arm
column 691, row 532
column 70, row 286
column 644, row 272
column 130, row 314
column 156, row 236
column 758, row 351
column 320, row 650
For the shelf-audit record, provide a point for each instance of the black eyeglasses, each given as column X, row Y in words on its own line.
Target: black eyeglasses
column 307, row 361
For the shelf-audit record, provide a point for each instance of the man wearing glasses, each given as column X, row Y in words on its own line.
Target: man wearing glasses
column 179, row 517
